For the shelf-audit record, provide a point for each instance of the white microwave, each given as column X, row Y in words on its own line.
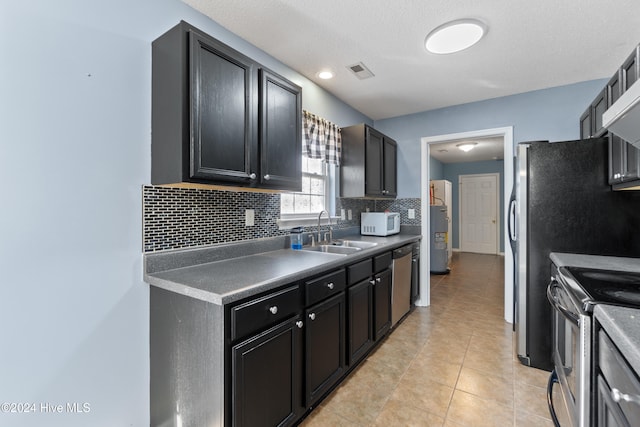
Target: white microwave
column 379, row 223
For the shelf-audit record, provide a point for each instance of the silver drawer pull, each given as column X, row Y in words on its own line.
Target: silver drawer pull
column 252, row 176
column 373, row 282
column 378, row 279
column 274, row 309
column 330, row 285
column 299, row 324
column 618, row 396
column 267, row 177
column 312, row 316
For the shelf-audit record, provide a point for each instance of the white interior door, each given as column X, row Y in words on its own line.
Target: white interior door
column 479, row 213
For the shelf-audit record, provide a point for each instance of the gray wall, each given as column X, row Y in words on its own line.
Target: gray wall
column 75, row 124
column 550, row 114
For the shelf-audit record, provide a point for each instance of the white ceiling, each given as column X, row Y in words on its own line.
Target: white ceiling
column 488, row 148
column 530, row 45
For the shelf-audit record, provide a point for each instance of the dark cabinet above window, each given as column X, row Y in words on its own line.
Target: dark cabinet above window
column 369, row 163
column 220, row 118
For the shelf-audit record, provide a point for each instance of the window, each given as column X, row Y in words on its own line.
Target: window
column 314, row 196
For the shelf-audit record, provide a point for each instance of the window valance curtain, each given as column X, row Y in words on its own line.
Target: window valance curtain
column 321, row 139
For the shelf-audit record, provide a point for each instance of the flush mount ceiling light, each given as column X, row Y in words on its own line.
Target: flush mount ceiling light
column 455, row 36
column 325, row 74
column 467, row 146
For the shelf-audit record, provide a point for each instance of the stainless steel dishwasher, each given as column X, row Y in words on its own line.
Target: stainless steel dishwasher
column 401, row 283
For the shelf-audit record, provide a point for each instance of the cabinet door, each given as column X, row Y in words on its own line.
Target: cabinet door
column 360, row 318
column 373, row 183
column 585, row 124
column 631, row 162
column 609, row 413
column 280, row 133
column 223, row 138
column 266, row 377
column 382, row 298
column 630, row 70
column 390, row 174
column 598, row 107
column 616, row 158
column 325, row 346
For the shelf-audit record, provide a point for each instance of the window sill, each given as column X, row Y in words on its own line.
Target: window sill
column 289, row 223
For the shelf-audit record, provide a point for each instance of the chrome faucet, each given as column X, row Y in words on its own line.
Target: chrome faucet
column 330, row 229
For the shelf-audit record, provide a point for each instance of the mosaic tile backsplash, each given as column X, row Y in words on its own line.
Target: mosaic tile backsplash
column 178, row 218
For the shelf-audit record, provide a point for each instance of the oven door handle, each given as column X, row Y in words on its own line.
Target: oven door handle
column 553, row 379
column 555, row 303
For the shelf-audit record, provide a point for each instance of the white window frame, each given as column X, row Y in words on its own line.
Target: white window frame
column 288, row 221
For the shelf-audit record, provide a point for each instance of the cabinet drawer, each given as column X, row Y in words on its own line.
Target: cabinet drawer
column 360, row 271
column 263, row 312
column 381, row 262
column 325, row 286
column 619, row 375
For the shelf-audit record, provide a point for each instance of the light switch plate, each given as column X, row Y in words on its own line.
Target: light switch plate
column 249, row 217
column 350, row 214
column 342, row 215
column 411, row 213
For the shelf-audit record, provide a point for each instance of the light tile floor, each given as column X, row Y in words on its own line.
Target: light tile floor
column 450, row 364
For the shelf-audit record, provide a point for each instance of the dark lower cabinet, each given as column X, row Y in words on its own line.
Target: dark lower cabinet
column 382, row 300
column 266, row 376
column 324, row 346
column 360, row 320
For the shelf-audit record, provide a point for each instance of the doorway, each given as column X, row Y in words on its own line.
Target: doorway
column 479, row 213
column 507, row 134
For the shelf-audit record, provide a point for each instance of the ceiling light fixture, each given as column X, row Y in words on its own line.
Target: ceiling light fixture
column 467, row 146
column 325, row 74
column 455, row 36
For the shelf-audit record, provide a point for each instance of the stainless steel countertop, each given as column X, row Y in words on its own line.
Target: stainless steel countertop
column 223, row 281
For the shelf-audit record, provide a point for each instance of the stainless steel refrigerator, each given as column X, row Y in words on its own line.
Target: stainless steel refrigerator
column 562, row 203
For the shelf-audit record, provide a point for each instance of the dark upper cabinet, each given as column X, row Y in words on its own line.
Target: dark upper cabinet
column 630, row 69
column 369, row 163
column 598, row 107
column 585, row 124
column 280, row 132
column 624, row 161
column 218, row 117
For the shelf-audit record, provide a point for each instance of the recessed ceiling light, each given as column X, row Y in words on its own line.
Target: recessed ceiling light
column 455, row 36
column 325, row 74
column 467, row 146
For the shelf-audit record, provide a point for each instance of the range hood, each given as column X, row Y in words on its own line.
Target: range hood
column 623, row 117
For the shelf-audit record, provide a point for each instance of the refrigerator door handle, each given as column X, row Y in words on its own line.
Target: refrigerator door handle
column 512, row 220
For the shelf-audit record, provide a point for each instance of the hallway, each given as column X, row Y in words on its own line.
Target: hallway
column 450, row 364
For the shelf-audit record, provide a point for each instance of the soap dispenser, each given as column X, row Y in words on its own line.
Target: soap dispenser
column 296, row 238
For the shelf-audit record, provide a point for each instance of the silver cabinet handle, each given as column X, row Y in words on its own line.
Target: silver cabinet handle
column 299, row 324
column 378, row 279
column 373, row 282
column 330, row 285
column 618, row 396
column 267, row 177
column 252, row 176
column 312, row 316
column 274, row 309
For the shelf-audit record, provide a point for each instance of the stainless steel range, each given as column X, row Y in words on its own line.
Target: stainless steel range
column 573, row 293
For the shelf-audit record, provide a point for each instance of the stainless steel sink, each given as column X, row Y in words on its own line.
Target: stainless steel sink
column 332, row 249
column 355, row 244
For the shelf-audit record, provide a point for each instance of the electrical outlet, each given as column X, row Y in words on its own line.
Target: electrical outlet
column 342, row 215
column 249, row 217
column 350, row 214
column 411, row 213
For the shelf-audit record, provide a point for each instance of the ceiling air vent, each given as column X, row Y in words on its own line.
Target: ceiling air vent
column 360, row 71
